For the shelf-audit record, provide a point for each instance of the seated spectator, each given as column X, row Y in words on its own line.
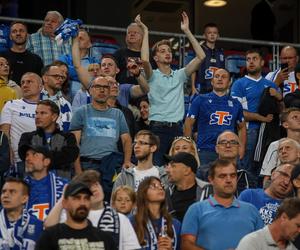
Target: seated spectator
column 62, row 145
column 76, row 231
column 267, row 201
column 65, row 87
column 123, row 199
column 18, row 229
column 220, row 221
column 101, row 215
column 185, row 188
column 21, row 59
column 18, row 116
column 143, row 122
column 152, row 223
column 278, row 235
column 45, row 187
column 43, row 43
column 144, row 145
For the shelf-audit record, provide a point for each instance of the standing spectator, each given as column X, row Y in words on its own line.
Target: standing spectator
column 18, row 229
column 18, row 115
column 268, row 200
column 280, row 234
column 153, row 225
column 166, row 95
column 77, row 231
column 53, row 78
column 43, row 43
column 215, row 112
column 45, row 187
column 185, row 188
column 144, row 145
column 143, row 121
column 97, row 129
column 220, row 221
column 21, row 59
column 201, row 80
column 62, row 145
column 285, row 75
column 248, row 90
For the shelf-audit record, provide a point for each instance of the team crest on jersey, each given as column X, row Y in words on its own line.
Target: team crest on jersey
column 209, row 73
column 220, row 118
column 31, row 229
column 40, row 210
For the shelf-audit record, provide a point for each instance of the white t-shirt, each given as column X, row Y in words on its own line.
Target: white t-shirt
column 271, row 160
column 140, row 175
column 128, row 238
column 20, row 114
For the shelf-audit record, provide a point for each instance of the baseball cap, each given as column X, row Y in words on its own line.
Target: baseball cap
column 39, row 149
column 185, row 158
column 76, row 187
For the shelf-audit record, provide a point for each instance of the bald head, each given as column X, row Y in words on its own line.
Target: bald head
column 289, row 55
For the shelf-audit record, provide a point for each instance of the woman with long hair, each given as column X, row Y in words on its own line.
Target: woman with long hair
column 153, row 225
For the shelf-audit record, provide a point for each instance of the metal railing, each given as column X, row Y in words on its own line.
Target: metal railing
column 275, row 45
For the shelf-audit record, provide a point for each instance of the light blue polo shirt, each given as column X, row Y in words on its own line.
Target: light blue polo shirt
column 217, row 227
column 166, row 96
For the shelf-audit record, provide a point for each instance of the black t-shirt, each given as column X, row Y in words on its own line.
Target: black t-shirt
column 62, row 236
column 22, row 63
column 181, row 200
column 121, row 56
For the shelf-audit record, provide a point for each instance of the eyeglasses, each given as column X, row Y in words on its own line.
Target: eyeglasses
column 284, row 175
column 154, row 186
column 101, row 87
column 58, row 77
column 142, row 143
column 231, row 143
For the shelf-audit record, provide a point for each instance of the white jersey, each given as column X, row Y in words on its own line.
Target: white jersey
column 271, row 160
column 140, row 175
column 289, row 85
column 20, row 114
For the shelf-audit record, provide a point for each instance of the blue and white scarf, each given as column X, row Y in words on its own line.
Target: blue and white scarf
column 69, row 28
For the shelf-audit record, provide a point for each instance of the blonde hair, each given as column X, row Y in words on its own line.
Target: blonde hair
column 126, row 189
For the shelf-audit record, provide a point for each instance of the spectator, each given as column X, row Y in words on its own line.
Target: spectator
column 101, row 215
column 289, row 118
column 45, row 187
column 288, row 151
column 215, row 112
column 279, row 234
column 4, row 156
column 21, row 59
column 18, row 115
column 77, row 230
column 123, row 199
column 220, row 221
column 201, row 80
column 143, row 122
column 267, row 201
column 53, row 79
column 65, row 87
column 285, row 76
column 62, row 145
column 18, row 229
column 144, row 145
column 248, row 90
column 293, row 99
column 166, row 95
column 97, row 129
column 43, row 43
column 185, row 188
column 153, row 225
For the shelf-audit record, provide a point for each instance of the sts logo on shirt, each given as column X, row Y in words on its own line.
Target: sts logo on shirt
column 209, row 73
column 220, row 118
column 40, row 210
column 290, row 87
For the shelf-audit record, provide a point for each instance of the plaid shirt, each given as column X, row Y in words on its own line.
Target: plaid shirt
column 47, row 48
column 65, row 115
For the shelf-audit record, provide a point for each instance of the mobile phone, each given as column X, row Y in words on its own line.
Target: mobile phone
column 284, row 66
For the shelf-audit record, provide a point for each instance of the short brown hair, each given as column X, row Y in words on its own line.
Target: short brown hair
column 26, row 187
column 153, row 139
column 88, row 177
column 159, row 43
column 285, row 113
column 289, row 206
column 219, row 163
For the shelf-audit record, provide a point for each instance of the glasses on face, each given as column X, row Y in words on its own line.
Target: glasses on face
column 101, row 87
column 141, row 143
column 156, row 186
column 284, row 175
column 231, row 143
column 58, row 77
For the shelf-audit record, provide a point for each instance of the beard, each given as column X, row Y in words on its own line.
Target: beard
column 142, row 157
column 80, row 214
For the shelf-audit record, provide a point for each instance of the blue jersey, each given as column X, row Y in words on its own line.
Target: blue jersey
column 214, row 59
column 44, row 194
column 21, row 234
column 214, row 114
column 249, row 91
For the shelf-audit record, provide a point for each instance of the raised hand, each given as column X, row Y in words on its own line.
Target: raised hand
column 139, row 22
column 184, row 25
